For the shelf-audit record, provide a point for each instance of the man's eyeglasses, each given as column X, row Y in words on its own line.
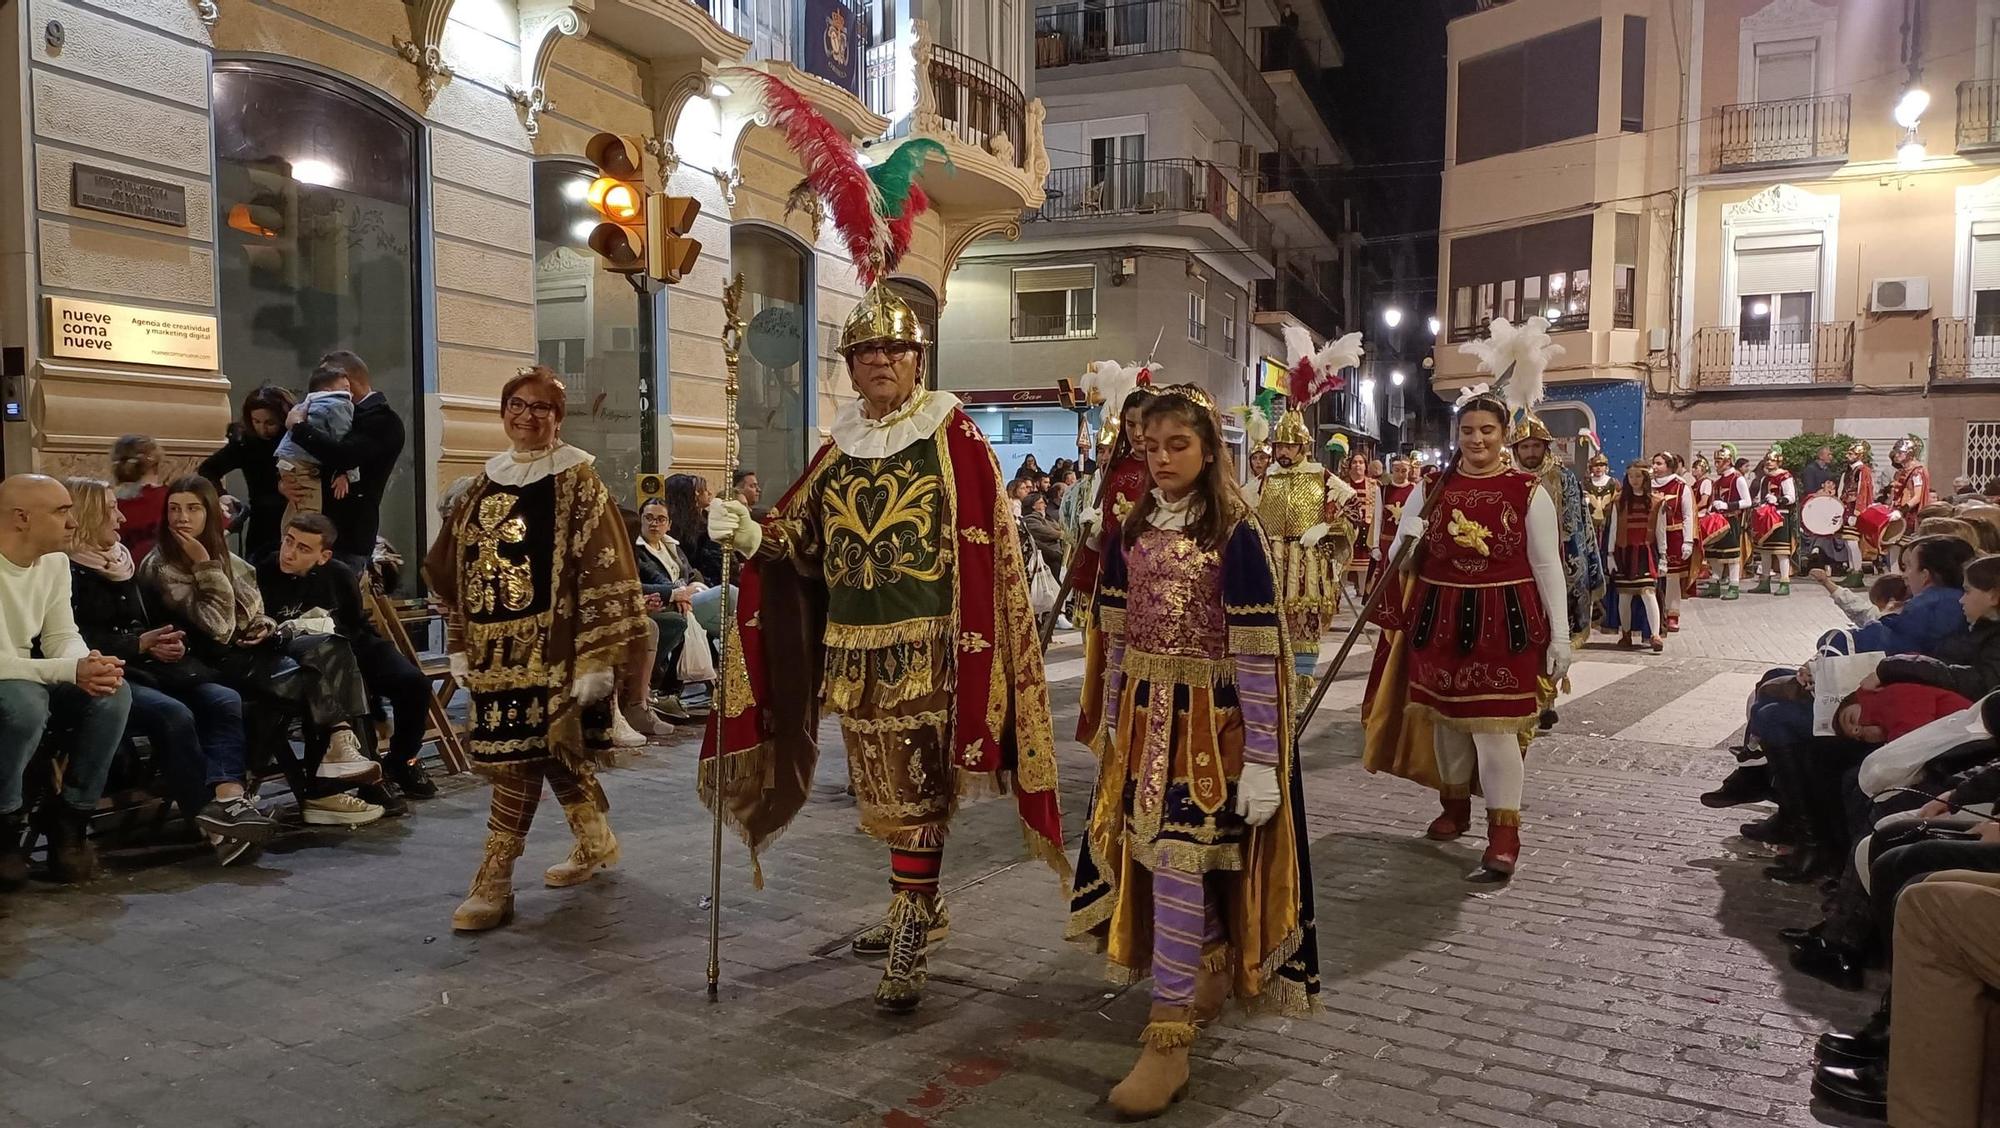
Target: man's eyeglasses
column 895, row 350
column 516, row 405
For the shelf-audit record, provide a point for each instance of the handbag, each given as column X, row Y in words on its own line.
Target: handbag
column 697, row 662
column 1043, row 590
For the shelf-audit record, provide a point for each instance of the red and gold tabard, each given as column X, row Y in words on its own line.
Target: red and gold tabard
column 1394, row 498
column 1478, row 632
column 1673, row 495
column 1857, row 492
column 1911, row 491
column 1126, row 479
column 1361, row 514
column 1634, row 543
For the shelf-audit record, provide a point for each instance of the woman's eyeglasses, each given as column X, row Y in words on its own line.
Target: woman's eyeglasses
column 516, row 405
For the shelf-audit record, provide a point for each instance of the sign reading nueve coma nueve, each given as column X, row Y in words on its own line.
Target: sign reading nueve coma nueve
column 163, row 338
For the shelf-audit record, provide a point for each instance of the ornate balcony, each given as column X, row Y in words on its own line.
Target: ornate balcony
column 1070, row 36
column 1979, row 116
column 1730, row 356
column 1797, row 131
column 1162, row 190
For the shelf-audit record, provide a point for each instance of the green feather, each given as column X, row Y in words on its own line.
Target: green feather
column 899, row 170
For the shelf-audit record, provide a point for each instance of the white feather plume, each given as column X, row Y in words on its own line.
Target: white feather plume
column 1256, row 425
column 1340, row 354
column 1298, row 344
column 1109, row 382
column 1526, row 348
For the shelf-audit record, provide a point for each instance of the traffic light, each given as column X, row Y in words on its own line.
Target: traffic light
column 618, row 196
column 269, row 216
column 670, row 254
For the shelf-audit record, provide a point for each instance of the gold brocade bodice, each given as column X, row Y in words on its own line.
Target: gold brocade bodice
column 1293, row 500
column 887, row 556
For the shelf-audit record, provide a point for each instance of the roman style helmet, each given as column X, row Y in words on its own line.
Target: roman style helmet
column 1725, row 454
column 882, row 318
column 1859, row 449
column 1292, row 430
column 1912, row 447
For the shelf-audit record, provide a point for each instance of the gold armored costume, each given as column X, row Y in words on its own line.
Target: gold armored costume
column 1295, row 500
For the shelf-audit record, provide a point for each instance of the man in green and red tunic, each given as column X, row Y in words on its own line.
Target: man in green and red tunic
column 887, row 586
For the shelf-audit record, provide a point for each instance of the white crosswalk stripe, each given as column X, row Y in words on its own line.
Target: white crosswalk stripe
column 1703, row 717
column 1586, row 678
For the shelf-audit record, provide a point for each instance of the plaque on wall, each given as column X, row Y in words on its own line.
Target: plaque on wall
column 135, row 197
column 163, row 338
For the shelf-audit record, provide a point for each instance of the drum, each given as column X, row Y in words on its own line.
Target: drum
column 1765, row 520
column 1879, row 525
column 1822, row 515
column 1712, row 526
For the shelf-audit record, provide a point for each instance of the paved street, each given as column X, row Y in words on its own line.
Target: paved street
column 1628, row 977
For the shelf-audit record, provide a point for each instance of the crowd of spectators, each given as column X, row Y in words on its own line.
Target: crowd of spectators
column 142, row 613
column 1884, row 797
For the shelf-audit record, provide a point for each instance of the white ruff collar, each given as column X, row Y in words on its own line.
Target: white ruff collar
column 509, row 468
column 858, row 436
column 1172, row 516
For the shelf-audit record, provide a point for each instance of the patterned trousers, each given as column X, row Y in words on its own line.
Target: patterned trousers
column 515, row 796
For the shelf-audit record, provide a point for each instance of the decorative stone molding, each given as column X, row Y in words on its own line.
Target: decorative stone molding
column 1790, row 214
column 815, row 209
column 925, row 118
column 544, row 23
column 1781, row 200
column 1789, row 15
column 423, row 49
column 207, row 11
column 727, row 180
column 662, row 149
column 1037, row 163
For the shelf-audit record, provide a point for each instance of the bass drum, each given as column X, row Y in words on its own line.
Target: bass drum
column 1822, row 515
column 1765, row 520
column 1879, row 525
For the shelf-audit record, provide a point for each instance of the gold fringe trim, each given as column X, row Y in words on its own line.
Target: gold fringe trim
column 1169, row 1035
column 524, row 630
column 1218, row 958
column 1254, row 640
column 1053, row 853
column 1185, row 857
column 1503, row 817
column 843, row 636
column 909, row 722
column 1455, row 790
column 1178, row 669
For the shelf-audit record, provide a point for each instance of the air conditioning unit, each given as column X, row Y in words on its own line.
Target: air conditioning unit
column 1900, row 295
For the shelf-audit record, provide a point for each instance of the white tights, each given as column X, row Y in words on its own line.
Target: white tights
column 1650, row 600
column 1673, row 606
column 1732, row 571
column 1501, row 772
column 1779, row 565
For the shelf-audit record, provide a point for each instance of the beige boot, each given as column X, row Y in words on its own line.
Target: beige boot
column 1160, row 1076
column 490, row 903
column 1212, row 984
column 596, row 847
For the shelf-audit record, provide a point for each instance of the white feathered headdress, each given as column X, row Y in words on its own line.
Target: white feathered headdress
column 1519, row 355
column 1317, row 372
column 1256, row 425
column 1109, row 382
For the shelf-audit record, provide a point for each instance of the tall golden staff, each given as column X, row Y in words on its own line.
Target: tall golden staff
column 732, row 353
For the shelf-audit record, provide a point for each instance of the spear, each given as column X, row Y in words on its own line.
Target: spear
column 732, row 351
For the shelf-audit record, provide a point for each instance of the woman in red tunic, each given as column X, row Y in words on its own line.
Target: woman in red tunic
column 1487, row 615
column 1638, row 546
column 1123, row 478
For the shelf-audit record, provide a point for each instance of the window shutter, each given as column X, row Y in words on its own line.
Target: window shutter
column 1044, row 279
column 1777, row 270
column 1985, row 262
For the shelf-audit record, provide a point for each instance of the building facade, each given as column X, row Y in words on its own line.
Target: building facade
column 209, row 194
column 1767, row 251
column 1188, row 211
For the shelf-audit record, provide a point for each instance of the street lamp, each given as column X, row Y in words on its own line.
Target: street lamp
column 1911, row 154
column 1435, row 326
column 1911, row 106
column 1392, row 317
column 1396, row 377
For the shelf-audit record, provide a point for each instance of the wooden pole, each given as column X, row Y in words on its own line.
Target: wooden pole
column 732, row 352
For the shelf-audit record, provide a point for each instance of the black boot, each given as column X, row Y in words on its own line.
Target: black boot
column 1808, row 862
column 1831, row 962
column 14, row 842
column 72, row 857
column 1797, row 936
column 1749, row 783
column 1856, row 1090
column 410, row 776
column 1775, row 830
column 1870, row 1043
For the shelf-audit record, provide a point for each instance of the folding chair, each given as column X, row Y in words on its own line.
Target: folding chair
column 437, row 668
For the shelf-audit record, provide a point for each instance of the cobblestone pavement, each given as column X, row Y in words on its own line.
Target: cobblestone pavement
column 1629, row 976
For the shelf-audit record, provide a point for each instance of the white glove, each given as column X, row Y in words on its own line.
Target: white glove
column 1558, row 659
column 1375, row 554
column 461, row 666
column 1257, row 793
column 1414, row 527
column 593, row 687
column 1089, row 526
column 729, row 523
column 1720, row 506
column 1314, row 535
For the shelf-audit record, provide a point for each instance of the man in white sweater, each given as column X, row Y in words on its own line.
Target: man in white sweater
column 82, row 691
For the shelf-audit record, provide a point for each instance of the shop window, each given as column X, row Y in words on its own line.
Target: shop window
column 773, row 413
column 594, row 330
column 316, row 220
column 1055, row 302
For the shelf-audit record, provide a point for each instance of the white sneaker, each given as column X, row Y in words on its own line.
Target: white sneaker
column 623, row 735
column 339, row 810
column 344, row 747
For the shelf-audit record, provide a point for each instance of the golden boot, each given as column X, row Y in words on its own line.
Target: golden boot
column 490, row 902
column 1212, row 984
column 1160, row 1076
column 911, row 918
column 596, row 847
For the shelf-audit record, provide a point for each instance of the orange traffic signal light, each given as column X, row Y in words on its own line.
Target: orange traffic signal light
column 618, row 195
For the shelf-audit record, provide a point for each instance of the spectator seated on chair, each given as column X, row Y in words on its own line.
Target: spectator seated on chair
column 48, row 673
column 194, row 722
column 674, row 591
column 305, row 584
column 214, row 596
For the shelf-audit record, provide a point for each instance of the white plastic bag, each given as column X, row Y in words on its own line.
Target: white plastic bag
column 697, row 664
column 1043, row 590
column 1900, row 763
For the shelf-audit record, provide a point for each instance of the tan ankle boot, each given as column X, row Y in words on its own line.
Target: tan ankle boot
column 1212, row 984
column 490, row 902
column 596, row 847
column 1160, row 1076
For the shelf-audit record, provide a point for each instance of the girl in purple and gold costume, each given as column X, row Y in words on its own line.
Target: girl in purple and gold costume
column 1194, row 864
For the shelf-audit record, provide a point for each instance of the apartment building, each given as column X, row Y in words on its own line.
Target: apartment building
column 1785, row 240
column 1188, row 214
column 222, row 191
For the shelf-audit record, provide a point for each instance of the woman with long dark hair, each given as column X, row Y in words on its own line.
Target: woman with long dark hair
column 1194, row 862
column 250, row 449
column 1637, row 553
column 1115, row 487
column 687, row 516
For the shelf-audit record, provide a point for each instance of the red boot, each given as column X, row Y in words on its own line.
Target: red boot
column 1503, row 848
column 1455, row 821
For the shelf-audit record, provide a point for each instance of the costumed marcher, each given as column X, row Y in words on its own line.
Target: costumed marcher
column 1727, row 541
column 1857, row 492
column 886, row 587
column 1583, row 567
column 1701, row 483
column 1260, row 461
column 1123, row 481
column 1305, row 508
column 542, row 607
column 1390, row 500
column 1600, row 490
column 1634, row 553
column 1362, row 511
column 1677, row 502
column 1775, row 525
column 1910, row 489
column 1484, row 615
column 1194, row 864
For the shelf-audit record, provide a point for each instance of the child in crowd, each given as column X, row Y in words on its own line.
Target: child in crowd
column 1885, row 596
column 1878, row 716
column 329, row 406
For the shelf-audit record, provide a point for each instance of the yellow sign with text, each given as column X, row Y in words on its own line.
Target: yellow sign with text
column 163, row 338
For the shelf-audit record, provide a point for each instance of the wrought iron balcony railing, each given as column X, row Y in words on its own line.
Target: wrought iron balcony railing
column 975, row 103
column 1965, row 348
column 1978, row 115
column 1163, row 187
column 1742, row 356
column 1070, row 35
column 1796, row 131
